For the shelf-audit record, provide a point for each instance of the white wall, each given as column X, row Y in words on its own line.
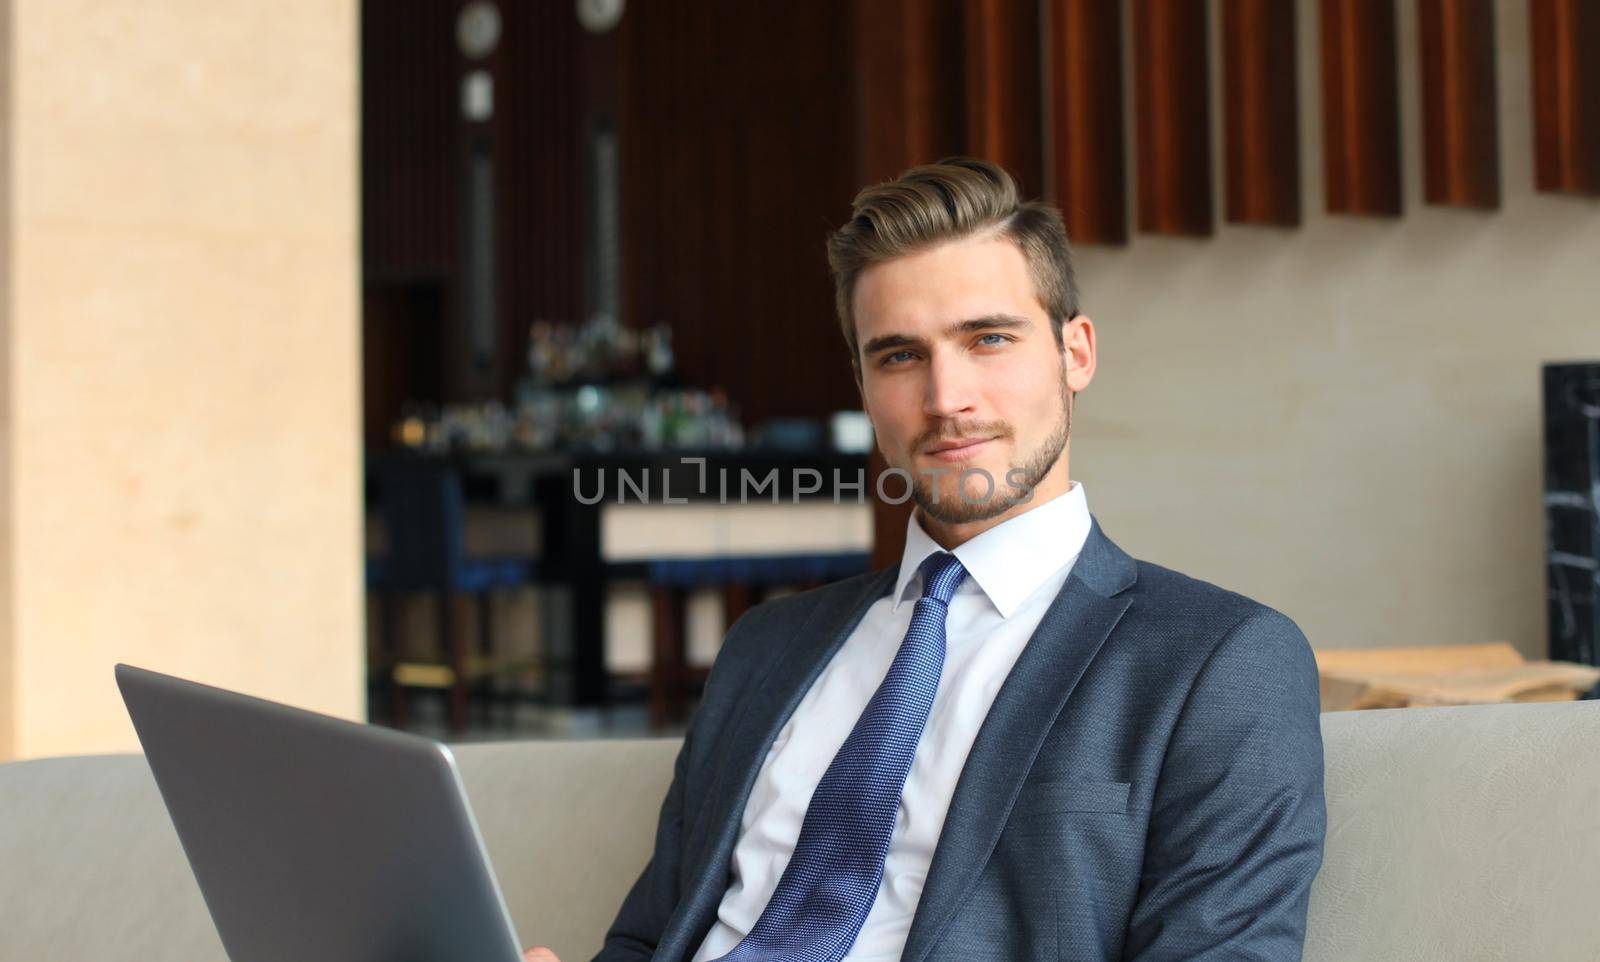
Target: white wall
column 1343, row 421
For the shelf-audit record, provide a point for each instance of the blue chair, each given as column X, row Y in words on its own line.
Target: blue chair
column 744, row 580
column 424, row 513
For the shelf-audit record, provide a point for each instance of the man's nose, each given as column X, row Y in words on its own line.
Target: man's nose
column 949, row 388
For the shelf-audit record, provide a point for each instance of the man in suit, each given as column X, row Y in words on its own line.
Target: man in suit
column 1020, row 743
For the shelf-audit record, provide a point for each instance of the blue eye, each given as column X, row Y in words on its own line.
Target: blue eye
column 1002, row 337
column 890, row 358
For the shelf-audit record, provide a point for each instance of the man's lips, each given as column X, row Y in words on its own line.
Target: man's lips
column 959, row 450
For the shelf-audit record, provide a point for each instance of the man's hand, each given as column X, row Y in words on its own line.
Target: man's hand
column 539, row 954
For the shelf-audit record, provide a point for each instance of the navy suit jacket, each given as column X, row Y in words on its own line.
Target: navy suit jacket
column 1147, row 784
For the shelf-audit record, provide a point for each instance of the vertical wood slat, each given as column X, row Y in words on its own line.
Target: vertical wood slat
column 1084, row 139
column 1004, row 114
column 1171, row 75
column 1261, row 119
column 1360, row 107
column 1565, row 36
column 539, row 145
column 1460, row 133
column 409, row 115
column 908, row 94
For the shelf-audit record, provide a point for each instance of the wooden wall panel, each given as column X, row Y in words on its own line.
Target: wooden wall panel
column 409, row 206
column 1005, row 115
column 415, row 146
column 909, row 104
column 1460, row 131
column 1566, row 93
column 1173, row 134
column 542, row 178
column 1083, row 118
column 1261, row 114
column 408, row 139
column 736, row 141
column 1360, row 107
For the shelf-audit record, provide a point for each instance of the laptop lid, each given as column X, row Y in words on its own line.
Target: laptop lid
column 318, row 839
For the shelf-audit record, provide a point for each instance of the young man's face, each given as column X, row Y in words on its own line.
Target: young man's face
column 956, row 349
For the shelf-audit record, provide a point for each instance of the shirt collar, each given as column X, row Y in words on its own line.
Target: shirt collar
column 1010, row 560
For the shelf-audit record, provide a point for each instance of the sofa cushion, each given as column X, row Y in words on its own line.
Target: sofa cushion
column 568, row 826
column 1454, row 833
column 91, row 868
column 1460, row 833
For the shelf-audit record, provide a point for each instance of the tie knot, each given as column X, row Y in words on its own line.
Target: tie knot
column 941, row 575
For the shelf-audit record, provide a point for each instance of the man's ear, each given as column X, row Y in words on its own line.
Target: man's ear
column 1078, row 350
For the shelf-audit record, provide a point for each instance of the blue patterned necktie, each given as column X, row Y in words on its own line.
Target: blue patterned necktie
column 831, row 881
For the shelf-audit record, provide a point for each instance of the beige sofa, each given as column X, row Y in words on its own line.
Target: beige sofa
column 1455, row 834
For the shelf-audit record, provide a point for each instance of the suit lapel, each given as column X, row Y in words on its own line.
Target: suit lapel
column 1069, row 635
column 742, row 747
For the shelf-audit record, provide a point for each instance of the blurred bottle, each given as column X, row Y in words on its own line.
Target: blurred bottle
column 658, row 350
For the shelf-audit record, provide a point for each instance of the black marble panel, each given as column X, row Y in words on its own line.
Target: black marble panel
column 1572, row 508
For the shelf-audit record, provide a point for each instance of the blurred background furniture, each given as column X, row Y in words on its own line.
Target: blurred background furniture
column 1453, row 833
column 424, row 523
column 743, row 581
column 604, row 528
column 1446, row 675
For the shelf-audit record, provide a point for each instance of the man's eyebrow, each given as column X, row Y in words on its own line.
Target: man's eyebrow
column 989, row 322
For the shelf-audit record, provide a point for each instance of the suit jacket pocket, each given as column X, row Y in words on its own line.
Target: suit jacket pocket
column 1071, row 795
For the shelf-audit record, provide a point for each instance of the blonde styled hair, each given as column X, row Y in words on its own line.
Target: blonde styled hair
column 957, row 197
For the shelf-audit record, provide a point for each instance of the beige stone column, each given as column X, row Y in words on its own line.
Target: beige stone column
column 8, row 699
column 179, row 357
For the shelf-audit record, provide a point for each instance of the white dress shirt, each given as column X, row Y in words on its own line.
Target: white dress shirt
column 1014, row 571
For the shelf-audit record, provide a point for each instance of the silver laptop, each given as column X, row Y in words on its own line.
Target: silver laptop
column 316, row 839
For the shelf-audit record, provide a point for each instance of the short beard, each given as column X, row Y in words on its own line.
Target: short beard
column 1021, row 479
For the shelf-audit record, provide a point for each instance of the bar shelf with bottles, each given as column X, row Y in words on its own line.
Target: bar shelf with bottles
column 599, row 399
column 591, row 387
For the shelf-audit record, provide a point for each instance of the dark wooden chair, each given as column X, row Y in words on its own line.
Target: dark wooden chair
column 744, row 581
column 424, row 515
